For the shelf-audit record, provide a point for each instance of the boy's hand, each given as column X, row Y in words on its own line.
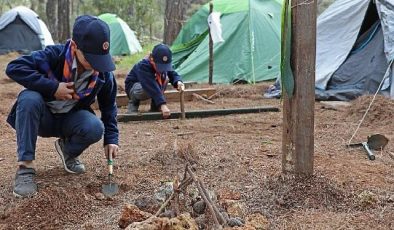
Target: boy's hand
column 180, row 86
column 64, row 91
column 111, row 149
column 165, row 111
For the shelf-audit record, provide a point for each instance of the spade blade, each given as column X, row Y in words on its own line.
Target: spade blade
column 110, row 189
column 377, row 141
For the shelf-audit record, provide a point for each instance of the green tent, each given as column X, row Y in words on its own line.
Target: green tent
column 123, row 39
column 250, row 52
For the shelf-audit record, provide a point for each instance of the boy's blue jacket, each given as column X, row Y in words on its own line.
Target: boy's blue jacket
column 144, row 73
column 26, row 71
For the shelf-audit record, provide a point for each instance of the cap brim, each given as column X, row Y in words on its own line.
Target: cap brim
column 164, row 67
column 101, row 63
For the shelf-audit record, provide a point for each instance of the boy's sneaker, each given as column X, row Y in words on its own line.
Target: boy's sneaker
column 71, row 164
column 25, row 185
column 132, row 106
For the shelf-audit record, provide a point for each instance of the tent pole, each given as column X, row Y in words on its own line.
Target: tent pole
column 392, row 81
column 252, row 45
column 210, row 68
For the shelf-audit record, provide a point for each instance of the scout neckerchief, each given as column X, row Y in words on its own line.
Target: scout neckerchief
column 69, row 72
column 161, row 78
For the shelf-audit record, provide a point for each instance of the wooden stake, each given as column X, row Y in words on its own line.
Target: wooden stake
column 298, row 112
column 182, row 99
column 210, row 68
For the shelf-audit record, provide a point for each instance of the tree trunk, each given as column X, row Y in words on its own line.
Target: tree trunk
column 52, row 19
column 41, row 10
column 173, row 19
column 63, row 11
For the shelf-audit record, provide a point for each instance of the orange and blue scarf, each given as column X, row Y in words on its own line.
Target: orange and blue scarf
column 161, row 78
column 69, row 72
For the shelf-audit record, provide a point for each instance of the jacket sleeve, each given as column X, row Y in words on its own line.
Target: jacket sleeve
column 31, row 71
column 174, row 78
column 150, row 86
column 106, row 98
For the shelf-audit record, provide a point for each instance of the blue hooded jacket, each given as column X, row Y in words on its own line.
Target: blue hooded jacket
column 144, row 73
column 27, row 71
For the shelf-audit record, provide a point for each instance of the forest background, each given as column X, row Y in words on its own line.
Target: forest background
column 152, row 20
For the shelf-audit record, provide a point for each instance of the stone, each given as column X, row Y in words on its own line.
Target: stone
column 131, row 214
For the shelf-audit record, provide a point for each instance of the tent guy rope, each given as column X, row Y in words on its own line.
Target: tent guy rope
column 373, row 99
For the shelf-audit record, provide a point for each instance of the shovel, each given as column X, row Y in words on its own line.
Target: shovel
column 375, row 142
column 111, row 188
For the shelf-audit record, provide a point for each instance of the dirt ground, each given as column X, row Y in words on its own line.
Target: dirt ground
column 238, row 154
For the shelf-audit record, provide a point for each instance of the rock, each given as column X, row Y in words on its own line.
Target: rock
column 199, row 207
column 147, row 204
column 164, row 191
column 99, row 196
column 235, row 222
column 130, row 214
column 201, row 222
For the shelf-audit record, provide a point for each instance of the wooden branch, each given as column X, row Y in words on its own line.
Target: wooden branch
column 185, row 182
column 198, row 96
column 219, row 215
column 164, row 205
column 176, row 196
column 215, row 219
column 184, row 134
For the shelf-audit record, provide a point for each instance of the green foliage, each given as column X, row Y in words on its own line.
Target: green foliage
column 127, row 62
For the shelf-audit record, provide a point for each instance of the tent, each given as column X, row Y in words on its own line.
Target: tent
column 250, row 52
column 355, row 49
column 22, row 30
column 123, row 39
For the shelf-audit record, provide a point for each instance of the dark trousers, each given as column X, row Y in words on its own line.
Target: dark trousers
column 79, row 128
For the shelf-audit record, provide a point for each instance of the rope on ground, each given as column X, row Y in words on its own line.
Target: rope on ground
column 373, row 99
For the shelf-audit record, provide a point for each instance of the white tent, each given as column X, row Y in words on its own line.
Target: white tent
column 355, row 48
column 21, row 29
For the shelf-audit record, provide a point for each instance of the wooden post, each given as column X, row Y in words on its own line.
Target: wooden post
column 210, row 68
column 182, row 101
column 298, row 112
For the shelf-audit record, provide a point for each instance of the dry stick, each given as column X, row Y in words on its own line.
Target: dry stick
column 203, row 196
column 184, row 134
column 224, row 221
column 162, row 207
column 185, row 182
column 176, row 198
column 219, row 91
column 198, row 96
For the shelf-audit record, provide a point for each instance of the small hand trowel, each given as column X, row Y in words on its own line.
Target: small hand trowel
column 375, row 142
column 111, row 188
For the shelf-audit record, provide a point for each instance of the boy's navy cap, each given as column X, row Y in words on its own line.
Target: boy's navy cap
column 92, row 37
column 162, row 56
